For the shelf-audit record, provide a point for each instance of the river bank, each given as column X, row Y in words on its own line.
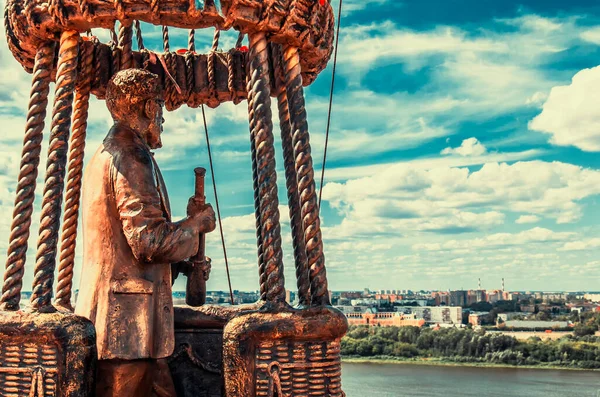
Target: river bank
column 442, row 362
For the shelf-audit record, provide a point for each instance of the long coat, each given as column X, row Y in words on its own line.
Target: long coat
column 129, row 242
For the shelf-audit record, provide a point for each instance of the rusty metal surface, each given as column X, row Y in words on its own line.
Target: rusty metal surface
column 68, row 236
column 278, row 348
column 46, row 355
column 196, row 363
column 28, row 171
column 305, row 24
column 55, row 172
column 199, row 271
column 298, row 368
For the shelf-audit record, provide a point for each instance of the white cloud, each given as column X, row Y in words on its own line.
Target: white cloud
column 535, row 23
column 469, row 147
column 527, row 219
column 581, row 245
column 592, row 35
column 343, row 173
column 571, row 115
column 494, row 241
column 351, row 6
column 406, row 198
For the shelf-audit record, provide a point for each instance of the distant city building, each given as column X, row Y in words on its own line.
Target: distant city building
column 441, row 298
column 509, row 316
column 389, row 298
column 475, row 296
column 458, row 298
column 528, row 308
column 290, row 296
column 592, row 297
column 495, row 295
column 351, row 295
column 352, row 309
column 364, row 302
column 436, row 314
column 541, row 325
column 477, row 318
column 512, row 296
column 384, row 319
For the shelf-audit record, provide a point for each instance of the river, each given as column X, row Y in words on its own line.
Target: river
column 398, row 380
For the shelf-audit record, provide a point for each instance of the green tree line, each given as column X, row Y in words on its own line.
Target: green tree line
column 466, row 345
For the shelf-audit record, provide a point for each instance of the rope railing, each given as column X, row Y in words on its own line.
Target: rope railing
column 165, row 37
column 306, row 183
column 125, row 43
column 138, row 36
column 258, row 225
column 192, row 40
column 55, row 172
column 265, row 166
column 28, row 171
column 291, row 178
column 68, row 237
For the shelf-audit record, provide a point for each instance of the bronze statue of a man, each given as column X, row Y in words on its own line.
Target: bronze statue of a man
column 130, row 243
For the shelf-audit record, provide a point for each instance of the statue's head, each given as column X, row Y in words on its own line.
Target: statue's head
column 134, row 98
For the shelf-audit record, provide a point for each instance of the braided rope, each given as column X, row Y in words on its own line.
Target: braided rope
column 96, row 82
column 85, row 8
column 155, row 9
column 165, row 34
column 56, row 8
column 306, row 181
column 265, row 167
column 213, row 101
column 189, row 64
column 125, row 43
column 28, row 7
column 231, row 77
column 291, row 179
column 113, row 35
column 138, row 36
column 215, row 42
column 252, row 125
column 170, row 89
column 25, row 194
column 239, row 41
column 192, row 41
column 68, row 237
column 55, row 172
column 115, row 53
column 120, row 9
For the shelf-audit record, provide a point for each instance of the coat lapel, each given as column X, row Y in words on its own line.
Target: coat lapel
column 162, row 190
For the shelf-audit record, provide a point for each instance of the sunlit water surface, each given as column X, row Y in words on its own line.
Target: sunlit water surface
column 396, row 380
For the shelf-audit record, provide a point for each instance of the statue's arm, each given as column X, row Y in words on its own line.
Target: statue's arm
column 151, row 237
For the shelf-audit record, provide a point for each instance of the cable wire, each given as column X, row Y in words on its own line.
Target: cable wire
column 337, row 36
column 212, row 173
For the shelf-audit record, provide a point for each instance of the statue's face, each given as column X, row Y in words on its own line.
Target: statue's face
column 154, row 112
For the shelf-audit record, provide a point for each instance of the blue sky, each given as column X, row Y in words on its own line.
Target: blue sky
column 464, row 145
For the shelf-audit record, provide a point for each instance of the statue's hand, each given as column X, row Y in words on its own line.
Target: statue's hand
column 181, row 267
column 206, row 268
column 204, row 214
